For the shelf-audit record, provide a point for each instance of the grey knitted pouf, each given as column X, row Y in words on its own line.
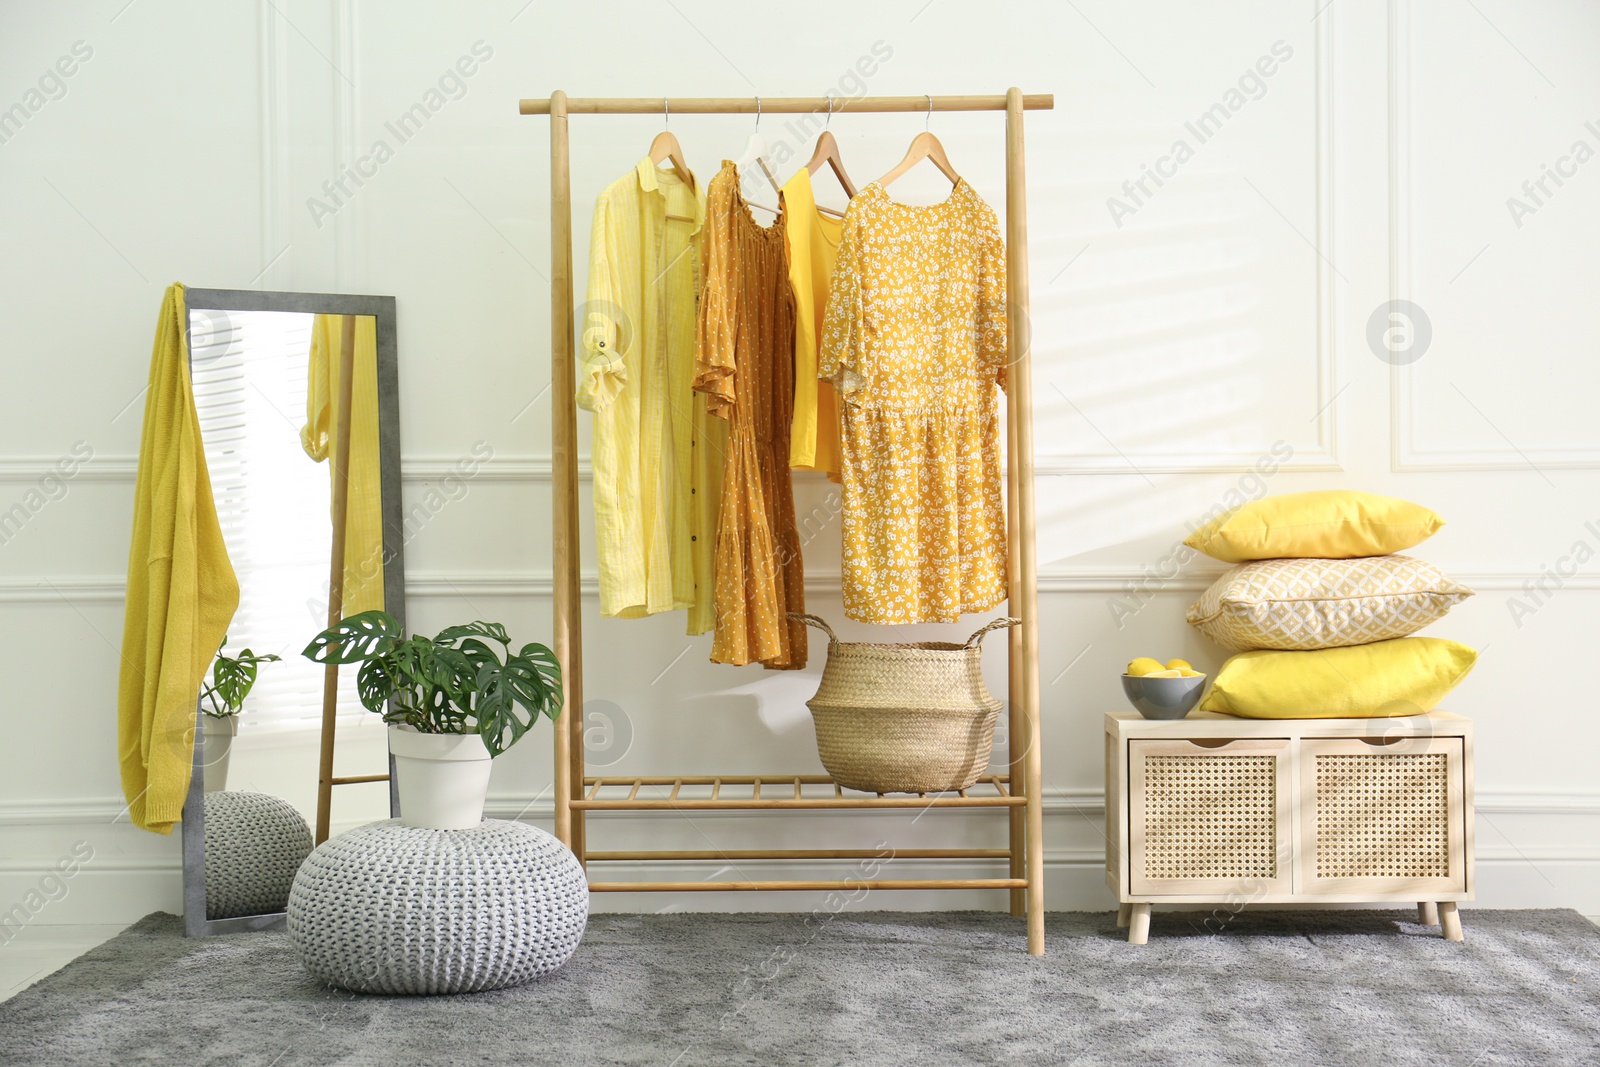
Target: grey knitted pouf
column 388, row 908
column 254, row 845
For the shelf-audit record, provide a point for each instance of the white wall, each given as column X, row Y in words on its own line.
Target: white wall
column 1228, row 312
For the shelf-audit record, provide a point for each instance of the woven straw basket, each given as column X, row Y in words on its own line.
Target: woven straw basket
column 904, row 718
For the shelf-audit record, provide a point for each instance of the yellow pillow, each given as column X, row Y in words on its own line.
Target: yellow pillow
column 1327, row 524
column 1407, row 676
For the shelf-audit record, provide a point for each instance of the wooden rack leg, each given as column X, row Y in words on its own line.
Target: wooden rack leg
column 1427, row 913
column 1016, row 719
column 568, row 633
column 341, row 511
column 1124, row 916
column 1016, row 698
column 1019, row 411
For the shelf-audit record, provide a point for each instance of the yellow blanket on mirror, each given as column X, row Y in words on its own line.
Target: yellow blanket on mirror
column 363, row 549
column 181, row 591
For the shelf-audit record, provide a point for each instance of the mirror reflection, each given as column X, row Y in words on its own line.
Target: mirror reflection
column 270, row 391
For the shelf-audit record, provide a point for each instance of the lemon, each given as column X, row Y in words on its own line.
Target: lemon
column 1144, row 665
column 1192, row 674
column 1165, row 674
column 1179, row 665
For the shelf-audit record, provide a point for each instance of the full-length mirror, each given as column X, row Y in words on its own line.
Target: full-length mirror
column 297, row 398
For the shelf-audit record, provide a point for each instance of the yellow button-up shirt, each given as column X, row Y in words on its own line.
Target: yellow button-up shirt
column 363, row 545
column 657, row 456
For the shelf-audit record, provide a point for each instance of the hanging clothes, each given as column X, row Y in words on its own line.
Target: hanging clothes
column 915, row 343
column 363, row 547
column 181, row 591
column 813, row 247
column 657, row 454
column 745, row 367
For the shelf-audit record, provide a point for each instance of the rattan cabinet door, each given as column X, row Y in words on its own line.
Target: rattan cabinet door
column 1211, row 818
column 1383, row 816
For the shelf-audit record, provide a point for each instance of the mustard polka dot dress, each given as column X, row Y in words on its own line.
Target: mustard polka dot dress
column 744, row 344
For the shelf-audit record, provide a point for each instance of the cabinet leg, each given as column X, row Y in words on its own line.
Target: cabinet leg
column 1427, row 913
column 1124, row 913
column 1450, row 920
column 1139, row 924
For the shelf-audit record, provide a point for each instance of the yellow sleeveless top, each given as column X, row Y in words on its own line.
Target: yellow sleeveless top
column 813, row 249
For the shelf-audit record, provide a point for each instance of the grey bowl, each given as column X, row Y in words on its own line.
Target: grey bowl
column 1163, row 698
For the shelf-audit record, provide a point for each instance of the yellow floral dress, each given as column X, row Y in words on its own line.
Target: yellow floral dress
column 915, row 344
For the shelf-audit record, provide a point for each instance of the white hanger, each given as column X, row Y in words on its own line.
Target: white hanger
column 755, row 151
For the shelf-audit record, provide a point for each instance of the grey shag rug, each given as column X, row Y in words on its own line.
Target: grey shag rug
column 914, row 989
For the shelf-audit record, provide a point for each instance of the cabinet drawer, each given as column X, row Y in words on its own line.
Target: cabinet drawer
column 1211, row 816
column 1382, row 815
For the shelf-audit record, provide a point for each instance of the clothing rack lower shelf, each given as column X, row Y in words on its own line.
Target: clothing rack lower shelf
column 787, row 792
column 725, row 855
column 813, row 885
column 768, row 792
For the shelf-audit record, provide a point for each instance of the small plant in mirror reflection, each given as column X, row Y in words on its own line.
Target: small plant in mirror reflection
column 452, row 683
column 232, row 678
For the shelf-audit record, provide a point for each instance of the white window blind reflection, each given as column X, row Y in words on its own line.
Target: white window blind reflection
column 249, row 372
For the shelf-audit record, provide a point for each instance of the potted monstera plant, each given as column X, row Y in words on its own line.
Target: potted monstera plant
column 452, row 701
column 221, row 699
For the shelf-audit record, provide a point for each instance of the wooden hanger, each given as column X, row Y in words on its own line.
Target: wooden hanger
column 666, row 148
column 923, row 146
column 827, row 151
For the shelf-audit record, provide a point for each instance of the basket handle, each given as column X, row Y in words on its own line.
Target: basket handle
column 994, row 624
column 815, row 620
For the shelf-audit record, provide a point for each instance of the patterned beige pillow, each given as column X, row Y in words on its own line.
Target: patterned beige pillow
column 1305, row 604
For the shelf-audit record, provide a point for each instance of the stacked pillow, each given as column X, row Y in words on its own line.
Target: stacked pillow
column 1321, row 609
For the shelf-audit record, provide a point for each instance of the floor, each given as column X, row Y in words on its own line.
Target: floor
column 40, row 950
column 943, row 989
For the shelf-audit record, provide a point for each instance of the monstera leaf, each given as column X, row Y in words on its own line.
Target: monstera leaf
column 549, row 669
column 476, row 656
column 512, row 696
column 232, row 678
column 491, row 630
column 355, row 639
column 376, row 682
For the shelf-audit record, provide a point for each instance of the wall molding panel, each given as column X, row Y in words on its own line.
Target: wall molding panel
column 274, row 148
column 107, row 589
column 416, row 470
column 1322, row 455
column 1408, row 453
column 1065, row 803
column 133, row 872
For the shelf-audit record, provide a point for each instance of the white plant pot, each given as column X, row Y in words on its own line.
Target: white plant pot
column 217, row 739
column 443, row 778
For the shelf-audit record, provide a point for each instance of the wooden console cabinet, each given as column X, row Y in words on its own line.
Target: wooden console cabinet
column 1221, row 810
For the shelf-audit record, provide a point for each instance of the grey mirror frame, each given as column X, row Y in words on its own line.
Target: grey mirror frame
column 382, row 309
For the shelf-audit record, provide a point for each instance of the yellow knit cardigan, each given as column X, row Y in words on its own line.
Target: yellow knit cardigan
column 182, row 592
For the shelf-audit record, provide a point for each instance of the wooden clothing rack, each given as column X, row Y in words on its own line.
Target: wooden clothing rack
column 1016, row 793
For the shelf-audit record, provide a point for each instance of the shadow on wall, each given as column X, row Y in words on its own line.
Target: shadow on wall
column 1155, row 361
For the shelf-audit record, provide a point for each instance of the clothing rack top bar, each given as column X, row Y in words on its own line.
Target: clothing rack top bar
column 778, row 105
